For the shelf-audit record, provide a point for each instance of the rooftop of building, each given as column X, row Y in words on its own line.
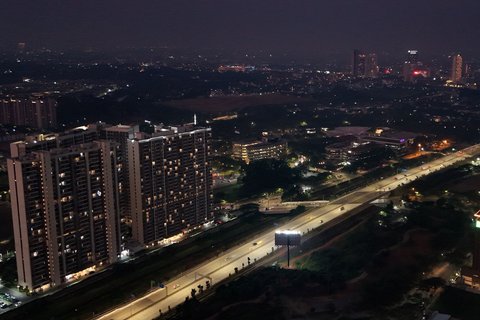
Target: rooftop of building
column 347, row 131
column 161, row 131
column 75, row 149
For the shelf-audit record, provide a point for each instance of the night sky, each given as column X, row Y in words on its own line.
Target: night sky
column 304, row 27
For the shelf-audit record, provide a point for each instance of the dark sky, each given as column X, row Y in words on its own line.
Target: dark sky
column 300, row 26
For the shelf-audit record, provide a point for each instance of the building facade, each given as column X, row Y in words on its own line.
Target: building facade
column 35, row 112
column 121, row 134
column 65, row 211
column 248, row 151
column 75, row 193
column 358, row 63
column 364, row 65
column 170, row 182
column 457, row 68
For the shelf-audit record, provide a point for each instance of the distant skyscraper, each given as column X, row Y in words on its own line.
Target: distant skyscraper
column 170, row 182
column 121, row 135
column 358, row 63
column 65, row 211
column 21, row 46
column 457, row 67
column 413, row 68
column 371, row 66
column 409, row 65
column 70, row 192
column 412, row 56
column 364, row 64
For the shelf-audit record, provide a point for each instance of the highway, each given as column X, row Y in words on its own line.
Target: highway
column 219, row 268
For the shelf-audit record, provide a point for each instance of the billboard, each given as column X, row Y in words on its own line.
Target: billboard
column 288, row 238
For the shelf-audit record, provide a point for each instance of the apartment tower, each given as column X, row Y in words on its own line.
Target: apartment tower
column 65, row 209
column 170, row 182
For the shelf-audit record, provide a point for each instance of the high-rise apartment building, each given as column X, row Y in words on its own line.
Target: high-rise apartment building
column 358, row 63
column 71, row 191
column 412, row 56
column 371, row 66
column 411, row 62
column 121, row 134
column 457, row 68
column 170, row 182
column 35, row 112
column 85, row 134
column 65, row 207
column 413, row 68
column 364, row 64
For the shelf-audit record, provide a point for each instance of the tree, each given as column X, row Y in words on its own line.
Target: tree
column 434, row 282
column 268, row 175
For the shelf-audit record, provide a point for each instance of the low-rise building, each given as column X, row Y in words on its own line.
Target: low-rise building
column 35, row 112
column 349, row 152
column 249, row 151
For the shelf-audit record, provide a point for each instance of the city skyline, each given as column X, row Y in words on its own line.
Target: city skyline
column 310, row 29
column 152, row 152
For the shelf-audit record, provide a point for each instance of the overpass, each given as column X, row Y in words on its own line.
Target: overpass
column 312, row 204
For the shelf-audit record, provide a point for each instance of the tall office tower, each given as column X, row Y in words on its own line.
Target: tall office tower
column 358, row 63
column 457, row 66
column 371, row 66
column 170, row 181
column 65, row 208
column 412, row 56
column 35, row 112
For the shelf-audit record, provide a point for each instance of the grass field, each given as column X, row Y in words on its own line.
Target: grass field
column 232, row 103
